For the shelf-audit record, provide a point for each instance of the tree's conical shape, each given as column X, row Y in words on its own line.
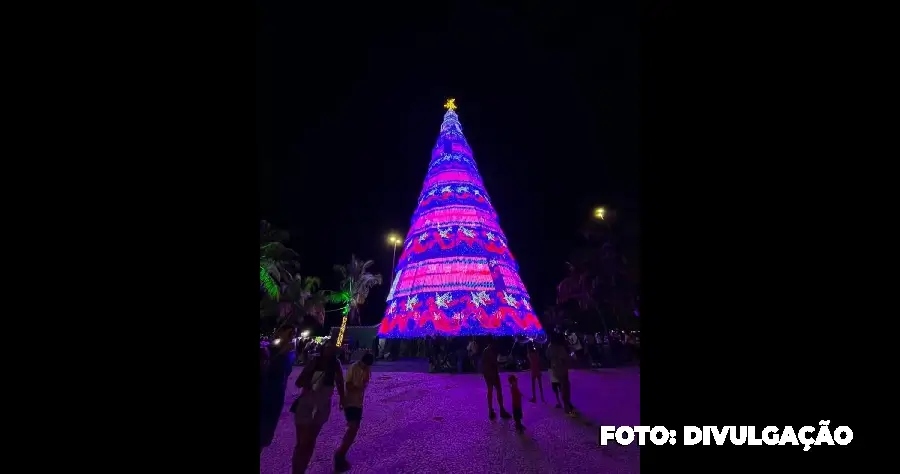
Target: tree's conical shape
column 456, row 275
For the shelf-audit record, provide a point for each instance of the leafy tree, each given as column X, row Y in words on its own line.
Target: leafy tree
column 356, row 282
column 275, row 259
column 602, row 285
column 287, row 298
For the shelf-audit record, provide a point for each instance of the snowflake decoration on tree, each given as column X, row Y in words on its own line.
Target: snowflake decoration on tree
column 489, row 235
column 458, row 316
column 441, row 300
column 510, row 300
column 480, row 299
column 494, row 262
column 467, row 232
column 392, row 307
column 444, row 232
column 462, row 189
column 437, row 316
column 423, row 237
column 526, row 304
column 476, row 192
column 411, row 302
column 432, row 192
column 446, row 189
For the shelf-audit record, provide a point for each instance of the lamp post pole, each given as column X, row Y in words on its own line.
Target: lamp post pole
column 393, row 262
column 393, row 239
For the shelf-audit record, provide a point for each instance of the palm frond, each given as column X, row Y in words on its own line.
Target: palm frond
column 268, row 283
column 312, row 283
column 339, row 297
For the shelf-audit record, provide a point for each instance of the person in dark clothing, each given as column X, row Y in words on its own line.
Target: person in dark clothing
column 460, row 357
column 491, row 372
column 312, row 408
column 275, row 367
column 516, row 402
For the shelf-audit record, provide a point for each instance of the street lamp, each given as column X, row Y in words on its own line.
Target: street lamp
column 600, row 213
column 393, row 239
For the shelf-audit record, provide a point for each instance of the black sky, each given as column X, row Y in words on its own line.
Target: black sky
column 349, row 108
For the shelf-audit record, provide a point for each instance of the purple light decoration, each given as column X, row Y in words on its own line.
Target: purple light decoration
column 456, row 275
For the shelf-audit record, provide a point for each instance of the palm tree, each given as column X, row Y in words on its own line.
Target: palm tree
column 275, row 259
column 356, row 282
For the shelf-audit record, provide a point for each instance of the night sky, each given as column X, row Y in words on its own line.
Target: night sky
column 348, row 110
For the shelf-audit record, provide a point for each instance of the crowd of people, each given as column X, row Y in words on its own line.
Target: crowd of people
column 323, row 376
column 464, row 354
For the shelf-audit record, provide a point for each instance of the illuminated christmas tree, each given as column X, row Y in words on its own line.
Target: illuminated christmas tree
column 456, row 275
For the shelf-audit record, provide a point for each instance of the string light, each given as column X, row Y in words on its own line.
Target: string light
column 456, row 275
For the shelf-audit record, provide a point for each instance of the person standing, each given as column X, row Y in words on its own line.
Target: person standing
column 313, row 407
column 560, row 361
column 575, row 344
column 275, row 367
column 534, row 365
column 491, row 372
column 357, row 379
column 472, row 350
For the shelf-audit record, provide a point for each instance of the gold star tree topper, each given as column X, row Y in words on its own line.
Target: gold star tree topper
column 451, row 104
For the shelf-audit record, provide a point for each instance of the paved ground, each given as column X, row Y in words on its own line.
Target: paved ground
column 437, row 423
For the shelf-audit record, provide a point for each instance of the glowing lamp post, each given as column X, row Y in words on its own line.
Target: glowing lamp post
column 393, row 239
column 600, row 213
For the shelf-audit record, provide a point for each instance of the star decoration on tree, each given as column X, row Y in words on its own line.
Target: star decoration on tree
column 450, row 104
column 489, row 235
column 510, row 300
column 462, row 189
column 444, row 232
column 480, row 299
column 437, row 316
column 467, row 232
column 411, row 302
column 423, row 237
column 446, row 189
column 441, row 300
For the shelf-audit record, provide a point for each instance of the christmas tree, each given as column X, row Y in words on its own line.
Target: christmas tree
column 456, row 275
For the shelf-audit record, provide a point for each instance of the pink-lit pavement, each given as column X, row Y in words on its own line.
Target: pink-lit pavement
column 422, row 423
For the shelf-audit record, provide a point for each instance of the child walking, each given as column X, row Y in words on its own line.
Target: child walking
column 516, row 402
